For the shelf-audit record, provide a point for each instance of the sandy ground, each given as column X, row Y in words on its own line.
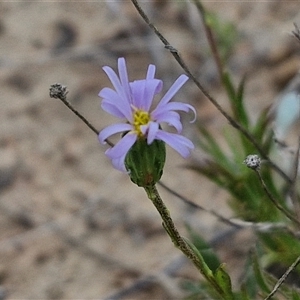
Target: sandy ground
column 72, row 227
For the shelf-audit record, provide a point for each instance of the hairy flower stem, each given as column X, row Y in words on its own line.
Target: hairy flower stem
column 182, row 244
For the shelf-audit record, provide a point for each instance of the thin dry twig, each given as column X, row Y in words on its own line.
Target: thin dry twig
column 296, row 32
column 183, row 65
column 283, row 278
column 59, row 91
column 236, row 223
column 275, row 202
column 199, row 207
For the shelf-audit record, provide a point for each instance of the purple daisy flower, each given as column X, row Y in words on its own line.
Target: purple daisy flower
column 132, row 102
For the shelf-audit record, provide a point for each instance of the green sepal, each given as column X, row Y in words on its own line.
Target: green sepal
column 145, row 162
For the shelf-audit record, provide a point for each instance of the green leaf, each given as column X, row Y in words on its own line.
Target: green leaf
column 230, row 89
column 259, row 276
column 225, row 34
column 244, row 294
column 223, row 279
column 249, row 287
column 295, row 295
column 239, row 103
column 206, row 271
column 261, row 125
column 208, row 254
column 211, row 146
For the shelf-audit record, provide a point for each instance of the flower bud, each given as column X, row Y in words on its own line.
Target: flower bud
column 145, row 162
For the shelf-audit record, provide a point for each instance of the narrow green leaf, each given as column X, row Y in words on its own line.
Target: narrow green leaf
column 206, row 271
column 223, row 279
column 259, row 276
column 239, row 102
column 208, row 254
column 249, row 287
column 244, row 294
column 213, row 147
column 214, row 150
column 295, row 295
column 261, row 125
column 230, row 89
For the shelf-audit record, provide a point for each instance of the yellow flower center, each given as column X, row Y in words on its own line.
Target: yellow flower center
column 140, row 118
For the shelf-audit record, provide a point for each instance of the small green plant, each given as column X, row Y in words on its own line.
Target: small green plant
column 258, row 188
column 260, row 192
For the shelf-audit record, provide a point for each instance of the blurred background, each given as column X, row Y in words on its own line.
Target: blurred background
column 71, row 226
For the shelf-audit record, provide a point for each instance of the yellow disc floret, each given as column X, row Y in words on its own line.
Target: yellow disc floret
column 140, row 118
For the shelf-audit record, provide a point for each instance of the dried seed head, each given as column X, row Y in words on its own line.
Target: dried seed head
column 58, row 91
column 252, row 161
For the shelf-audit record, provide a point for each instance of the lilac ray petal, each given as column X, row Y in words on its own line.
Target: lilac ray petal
column 144, row 129
column 153, row 87
column 122, row 147
column 177, row 106
column 152, row 130
column 114, row 80
column 124, row 77
column 107, row 92
column 174, row 122
column 143, row 92
column 112, row 109
column 180, row 81
column 172, row 118
column 113, row 98
column 178, row 142
column 117, row 108
column 118, row 100
column 159, row 114
column 113, row 129
column 110, row 94
column 151, row 72
column 185, row 107
column 138, row 91
column 119, row 163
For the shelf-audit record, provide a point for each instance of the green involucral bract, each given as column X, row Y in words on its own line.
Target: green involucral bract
column 145, row 162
